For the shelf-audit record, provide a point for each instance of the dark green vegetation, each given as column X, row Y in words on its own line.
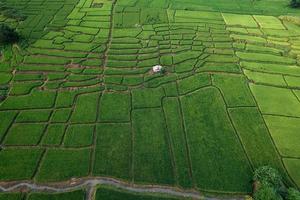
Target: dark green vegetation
column 295, row 3
column 81, row 100
column 8, row 35
column 74, row 195
column 268, row 185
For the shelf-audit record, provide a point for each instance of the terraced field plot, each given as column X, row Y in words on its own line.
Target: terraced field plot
column 82, row 100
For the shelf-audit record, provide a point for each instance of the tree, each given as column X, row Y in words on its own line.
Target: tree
column 295, row 3
column 8, row 35
column 266, row 192
column 268, row 176
column 293, row 194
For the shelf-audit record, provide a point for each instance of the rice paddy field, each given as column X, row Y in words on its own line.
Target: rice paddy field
column 79, row 100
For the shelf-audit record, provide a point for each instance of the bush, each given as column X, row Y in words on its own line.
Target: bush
column 268, row 176
column 295, row 3
column 266, row 192
column 8, row 35
column 293, row 194
column 3, row 95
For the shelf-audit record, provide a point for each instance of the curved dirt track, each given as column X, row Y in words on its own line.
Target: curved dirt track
column 90, row 185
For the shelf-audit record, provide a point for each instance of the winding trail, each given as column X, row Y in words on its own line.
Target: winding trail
column 90, row 184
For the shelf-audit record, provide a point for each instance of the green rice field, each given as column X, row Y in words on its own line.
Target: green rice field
column 79, row 100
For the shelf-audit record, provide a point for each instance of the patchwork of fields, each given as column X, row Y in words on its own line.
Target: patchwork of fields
column 82, row 101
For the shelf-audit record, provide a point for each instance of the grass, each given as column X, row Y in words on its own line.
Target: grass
column 152, row 159
column 61, row 115
column 270, row 100
column 18, row 164
column 79, row 136
column 54, row 134
column 146, row 98
column 113, row 151
column 58, row 165
column 115, row 107
column 234, row 89
column 112, row 194
column 239, row 20
column 280, row 127
column 11, row 196
column 37, row 99
column 178, row 141
column 255, row 138
column 269, row 22
column 34, row 116
column 24, row 134
column 80, row 88
column 193, row 83
column 7, row 120
column 265, row 78
column 75, row 195
column 292, row 166
column 85, row 108
column 211, row 139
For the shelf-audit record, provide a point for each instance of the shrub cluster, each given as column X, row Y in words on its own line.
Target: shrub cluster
column 269, row 186
column 3, row 93
column 8, row 35
column 295, row 3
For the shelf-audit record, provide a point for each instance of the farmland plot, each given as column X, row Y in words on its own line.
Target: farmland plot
column 82, row 93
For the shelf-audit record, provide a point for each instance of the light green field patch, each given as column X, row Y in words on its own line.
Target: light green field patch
column 196, row 14
column 178, row 141
column 277, row 101
column 265, row 78
column 262, row 57
column 293, row 166
column 269, row 22
column 272, row 68
column 36, row 99
column 85, row 110
column 248, row 38
column 228, row 83
column 145, row 98
column 239, row 20
column 285, row 133
column 113, row 151
column 115, row 107
column 58, row 164
column 193, row 83
column 207, row 124
column 128, row 32
column 152, row 161
column 292, row 81
column 262, row 49
column 255, row 137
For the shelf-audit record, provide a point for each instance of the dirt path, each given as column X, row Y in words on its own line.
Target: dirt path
column 90, row 185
